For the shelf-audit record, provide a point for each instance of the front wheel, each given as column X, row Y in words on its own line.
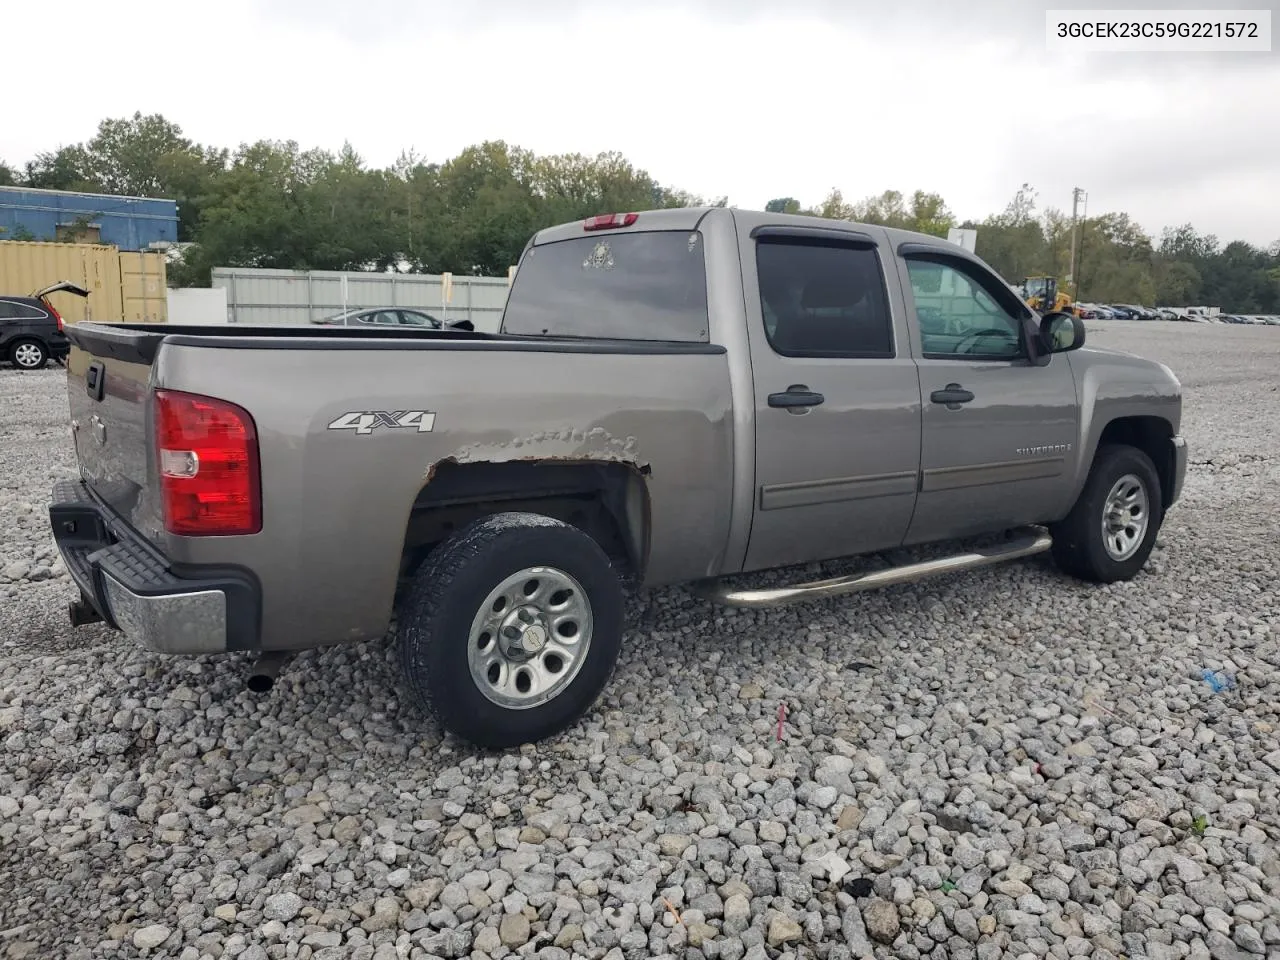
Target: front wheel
column 29, row 355
column 511, row 629
column 1112, row 528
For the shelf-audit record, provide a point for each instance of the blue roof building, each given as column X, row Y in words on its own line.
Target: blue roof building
column 130, row 223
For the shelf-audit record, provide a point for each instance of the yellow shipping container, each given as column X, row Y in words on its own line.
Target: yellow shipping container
column 122, row 286
column 144, row 296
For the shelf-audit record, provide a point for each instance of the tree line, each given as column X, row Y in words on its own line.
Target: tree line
column 274, row 204
column 1116, row 261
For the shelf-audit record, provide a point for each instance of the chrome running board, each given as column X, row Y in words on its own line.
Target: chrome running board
column 1027, row 543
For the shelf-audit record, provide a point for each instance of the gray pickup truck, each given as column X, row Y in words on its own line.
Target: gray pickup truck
column 674, row 396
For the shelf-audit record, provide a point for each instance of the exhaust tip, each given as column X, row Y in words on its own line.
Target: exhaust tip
column 261, row 683
column 263, row 675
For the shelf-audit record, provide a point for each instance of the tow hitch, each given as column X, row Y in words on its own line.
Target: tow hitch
column 82, row 613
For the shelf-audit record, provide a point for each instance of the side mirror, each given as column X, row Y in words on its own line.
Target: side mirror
column 1060, row 332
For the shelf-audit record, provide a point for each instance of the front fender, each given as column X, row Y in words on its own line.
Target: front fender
column 1127, row 398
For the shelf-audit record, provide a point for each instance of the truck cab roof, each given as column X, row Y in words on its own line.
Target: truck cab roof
column 689, row 218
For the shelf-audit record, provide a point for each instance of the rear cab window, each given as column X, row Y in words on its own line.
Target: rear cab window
column 646, row 285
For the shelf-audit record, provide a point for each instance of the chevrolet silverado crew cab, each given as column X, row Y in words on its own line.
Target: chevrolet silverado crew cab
column 674, row 396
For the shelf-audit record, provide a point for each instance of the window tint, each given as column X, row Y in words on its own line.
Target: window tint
column 821, row 300
column 958, row 318
column 650, row 285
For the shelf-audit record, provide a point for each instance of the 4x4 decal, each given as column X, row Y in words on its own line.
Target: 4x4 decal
column 366, row 421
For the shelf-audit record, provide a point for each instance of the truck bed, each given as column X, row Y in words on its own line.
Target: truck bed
column 340, row 477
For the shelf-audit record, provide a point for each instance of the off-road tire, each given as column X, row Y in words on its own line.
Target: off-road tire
column 1078, row 547
column 445, row 595
column 28, row 347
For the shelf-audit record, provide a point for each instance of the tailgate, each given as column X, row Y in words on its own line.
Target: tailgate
column 108, row 386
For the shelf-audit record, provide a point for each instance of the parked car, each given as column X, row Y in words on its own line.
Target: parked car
column 675, row 396
column 1143, row 313
column 31, row 329
column 393, row 317
column 1124, row 313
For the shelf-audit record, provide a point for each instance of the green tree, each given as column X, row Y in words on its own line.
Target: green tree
column 886, row 209
column 1177, row 283
column 1014, row 242
column 834, row 207
column 256, row 212
column 61, row 169
column 1184, row 243
column 783, row 205
column 929, row 214
column 275, row 204
column 149, row 156
column 8, row 176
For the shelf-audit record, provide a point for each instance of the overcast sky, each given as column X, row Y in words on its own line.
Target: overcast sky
column 750, row 98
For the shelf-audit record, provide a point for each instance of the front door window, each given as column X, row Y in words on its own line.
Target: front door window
column 958, row 319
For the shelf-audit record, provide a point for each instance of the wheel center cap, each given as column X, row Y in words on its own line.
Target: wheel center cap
column 533, row 639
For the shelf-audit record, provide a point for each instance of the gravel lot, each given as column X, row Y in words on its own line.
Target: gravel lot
column 1000, row 764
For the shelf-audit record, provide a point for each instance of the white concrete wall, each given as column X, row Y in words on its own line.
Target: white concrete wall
column 197, row 305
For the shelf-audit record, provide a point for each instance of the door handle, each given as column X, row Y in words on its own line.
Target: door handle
column 796, row 395
column 952, row 395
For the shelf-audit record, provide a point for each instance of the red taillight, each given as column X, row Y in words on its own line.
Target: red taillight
column 607, row 221
column 208, row 461
column 54, row 310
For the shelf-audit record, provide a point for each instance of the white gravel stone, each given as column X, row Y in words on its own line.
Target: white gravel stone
column 151, row 936
column 282, row 906
column 773, row 832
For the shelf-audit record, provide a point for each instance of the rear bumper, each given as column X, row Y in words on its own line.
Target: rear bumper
column 58, row 349
column 138, row 591
column 1179, row 468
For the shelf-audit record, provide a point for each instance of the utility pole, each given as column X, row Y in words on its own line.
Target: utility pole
column 1084, row 223
column 1076, row 195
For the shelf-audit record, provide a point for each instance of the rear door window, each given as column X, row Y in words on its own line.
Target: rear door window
column 650, row 285
column 11, row 310
column 823, row 300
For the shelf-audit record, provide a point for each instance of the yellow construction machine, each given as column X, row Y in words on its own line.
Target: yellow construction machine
column 1042, row 295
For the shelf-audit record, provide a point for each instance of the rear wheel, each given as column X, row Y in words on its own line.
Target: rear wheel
column 511, row 629
column 29, row 355
column 1112, row 528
